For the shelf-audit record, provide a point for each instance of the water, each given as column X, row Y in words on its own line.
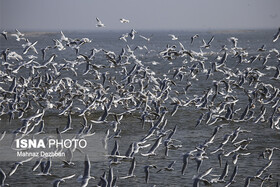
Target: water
column 185, row 118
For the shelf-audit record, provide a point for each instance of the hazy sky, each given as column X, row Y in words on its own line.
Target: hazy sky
column 46, row 15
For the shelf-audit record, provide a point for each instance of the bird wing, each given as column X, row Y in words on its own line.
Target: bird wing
column 87, row 167
column 98, row 20
column 2, row 176
column 68, row 177
column 211, row 40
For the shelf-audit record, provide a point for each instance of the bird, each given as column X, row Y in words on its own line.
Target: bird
column 131, row 170
column 186, row 161
column 84, row 179
column 232, row 177
column 146, row 38
column 123, row 37
column 194, row 37
column 208, row 44
column 44, row 51
column 247, row 181
column 132, row 33
column 5, row 34
column 16, row 165
column 262, row 48
column 69, row 124
column 169, row 167
column 199, row 178
column 122, row 20
column 153, row 148
column 173, row 37
column 2, row 135
column 147, row 172
column 276, row 36
column 99, row 23
column 5, row 53
column 47, row 167
column 68, row 157
column 3, row 178
column 234, row 41
column 58, row 181
column 18, row 35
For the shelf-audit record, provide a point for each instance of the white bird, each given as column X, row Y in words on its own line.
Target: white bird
column 207, row 45
column 276, row 36
column 2, row 178
column 146, row 38
column 122, row 20
column 86, row 176
column 16, row 165
column 99, row 23
column 31, row 46
column 14, row 56
column 18, row 35
column 173, row 37
column 234, row 41
column 199, row 178
column 58, row 181
column 123, row 37
column 63, row 37
column 5, row 34
column 2, row 135
column 194, row 37
column 153, row 148
column 132, row 33
column 47, row 168
column 131, row 170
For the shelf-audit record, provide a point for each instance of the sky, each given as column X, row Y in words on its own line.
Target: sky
column 77, row 15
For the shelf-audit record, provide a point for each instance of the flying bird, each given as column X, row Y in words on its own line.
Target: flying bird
column 276, row 36
column 2, row 178
column 173, row 37
column 5, row 34
column 58, row 181
column 84, row 179
column 99, row 23
column 194, row 37
column 122, row 20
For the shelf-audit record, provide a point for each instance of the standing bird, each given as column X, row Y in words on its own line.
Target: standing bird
column 99, row 23
column 276, row 36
